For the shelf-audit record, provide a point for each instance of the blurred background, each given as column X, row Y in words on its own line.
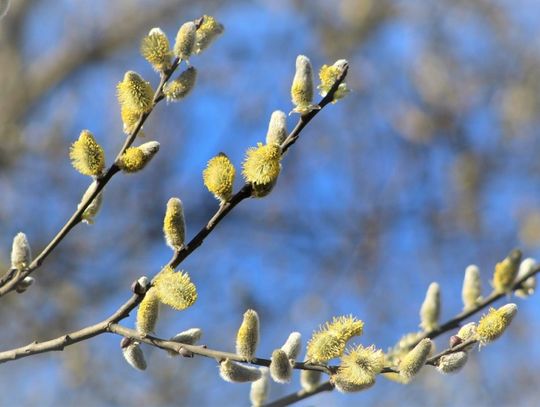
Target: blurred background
column 429, row 165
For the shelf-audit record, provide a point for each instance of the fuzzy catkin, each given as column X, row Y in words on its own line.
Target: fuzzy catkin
column 185, row 41
column 148, row 312
column 247, row 337
column 277, row 128
column 452, row 362
column 233, row 372
column 174, row 224
column 259, row 388
column 431, row 308
column 413, row 362
column 471, row 292
column 21, row 255
column 293, row 345
column 302, row 86
column 86, row 155
column 134, row 355
column 280, row 367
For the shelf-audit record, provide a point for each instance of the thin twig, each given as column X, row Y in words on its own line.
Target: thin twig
column 61, row 342
column 8, row 283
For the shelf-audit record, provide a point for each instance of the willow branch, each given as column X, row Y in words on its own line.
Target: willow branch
column 8, row 282
column 447, row 326
column 61, row 342
column 245, row 191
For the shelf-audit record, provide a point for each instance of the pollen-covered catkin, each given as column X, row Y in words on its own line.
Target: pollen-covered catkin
column 87, row 155
column 135, row 94
column 175, row 289
column 261, row 168
column 21, row 254
column 247, row 337
column 431, row 308
column 452, row 362
column 134, row 355
column 155, row 49
column 259, row 389
column 136, row 158
column 302, row 86
column 494, row 323
column 209, row 30
column 277, row 128
column 181, row 86
column 233, row 372
column 413, row 362
column 148, row 312
column 359, row 368
column 174, row 224
column 506, row 272
column 330, row 341
column 471, row 292
column 328, row 75
column 293, row 345
column 185, row 41
column 218, row 177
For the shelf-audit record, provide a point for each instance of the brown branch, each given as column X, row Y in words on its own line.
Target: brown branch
column 301, row 395
column 447, row 326
column 58, row 344
column 245, row 191
column 7, row 282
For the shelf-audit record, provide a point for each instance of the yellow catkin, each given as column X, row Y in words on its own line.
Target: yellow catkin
column 174, row 224
column 261, row 168
column 471, row 292
column 330, row 341
column 413, row 362
column 359, row 368
column 130, row 118
column 494, row 323
column 209, row 30
column 148, row 312
column 185, row 41
column 302, row 86
column 135, row 94
column 247, row 337
column 175, row 289
column 328, row 75
column 21, row 255
column 181, row 86
column 87, row 155
column 506, row 272
column 218, row 177
column 155, row 49
column 431, row 308
column 233, row 372
column 135, row 159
